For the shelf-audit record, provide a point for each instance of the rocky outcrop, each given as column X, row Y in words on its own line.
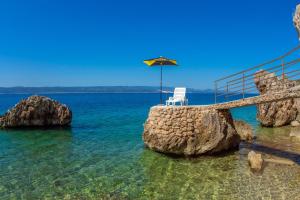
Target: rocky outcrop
column 189, row 130
column 279, row 113
column 37, row 111
column 244, row 130
column 296, row 20
column 255, row 161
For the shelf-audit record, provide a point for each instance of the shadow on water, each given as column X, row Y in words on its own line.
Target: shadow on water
column 177, row 176
column 35, row 133
column 33, row 142
column 26, row 139
column 194, row 158
column 273, row 151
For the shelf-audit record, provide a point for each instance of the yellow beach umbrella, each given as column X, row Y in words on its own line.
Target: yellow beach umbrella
column 161, row 61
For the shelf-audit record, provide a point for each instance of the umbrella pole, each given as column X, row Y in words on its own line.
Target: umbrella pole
column 160, row 84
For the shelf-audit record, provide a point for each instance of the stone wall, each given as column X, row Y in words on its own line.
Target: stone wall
column 188, row 130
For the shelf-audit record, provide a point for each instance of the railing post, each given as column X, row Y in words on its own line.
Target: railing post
column 226, row 96
column 243, row 85
column 282, row 67
column 216, row 91
column 282, row 64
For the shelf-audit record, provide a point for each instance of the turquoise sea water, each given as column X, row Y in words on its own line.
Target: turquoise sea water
column 102, row 156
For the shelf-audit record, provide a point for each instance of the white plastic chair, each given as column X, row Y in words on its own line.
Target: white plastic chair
column 179, row 96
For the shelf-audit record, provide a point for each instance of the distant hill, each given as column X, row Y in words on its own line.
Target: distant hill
column 96, row 89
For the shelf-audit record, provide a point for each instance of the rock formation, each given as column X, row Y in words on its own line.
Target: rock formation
column 37, row 111
column 244, row 130
column 189, row 130
column 296, row 20
column 280, row 113
column 255, row 161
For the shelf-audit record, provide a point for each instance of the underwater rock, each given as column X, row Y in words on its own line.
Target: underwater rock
column 295, row 123
column 244, row 130
column 295, row 133
column 280, row 113
column 37, row 111
column 189, row 130
column 255, row 161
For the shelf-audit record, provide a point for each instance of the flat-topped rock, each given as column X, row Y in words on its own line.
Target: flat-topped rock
column 37, row 111
column 189, row 130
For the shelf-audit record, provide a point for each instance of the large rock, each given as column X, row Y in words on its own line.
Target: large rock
column 37, row 111
column 189, row 130
column 280, row 113
column 244, row 130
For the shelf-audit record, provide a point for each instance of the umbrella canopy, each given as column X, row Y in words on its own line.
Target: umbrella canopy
column 161, row 61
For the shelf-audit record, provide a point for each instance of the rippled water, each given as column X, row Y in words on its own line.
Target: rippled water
column 103, row 157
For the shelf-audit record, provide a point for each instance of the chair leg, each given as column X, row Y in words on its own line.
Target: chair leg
column 186, row 102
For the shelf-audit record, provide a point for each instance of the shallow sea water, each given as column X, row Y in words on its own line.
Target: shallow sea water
column 102, row 156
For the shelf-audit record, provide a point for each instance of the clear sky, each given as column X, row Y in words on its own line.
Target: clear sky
column 103, row 42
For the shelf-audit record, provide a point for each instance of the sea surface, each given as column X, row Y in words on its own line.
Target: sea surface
column 102, row 156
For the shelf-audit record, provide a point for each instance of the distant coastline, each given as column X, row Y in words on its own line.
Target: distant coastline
column 92, row 89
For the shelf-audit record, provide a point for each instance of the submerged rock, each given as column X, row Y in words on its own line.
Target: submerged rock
column 280, row 113
column 189, row 130
column 37, row 111
column 255, row 161
column 295, row 123
column 244, row 130
column 295, row 133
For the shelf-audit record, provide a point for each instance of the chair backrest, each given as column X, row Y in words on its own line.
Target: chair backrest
column 179, row 93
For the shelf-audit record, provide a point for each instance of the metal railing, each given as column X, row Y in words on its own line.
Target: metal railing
column 241, row 85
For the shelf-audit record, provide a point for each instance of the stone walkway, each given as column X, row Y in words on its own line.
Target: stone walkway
column 266, row 98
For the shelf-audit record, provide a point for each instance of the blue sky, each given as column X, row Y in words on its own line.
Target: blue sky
column 95, row 43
